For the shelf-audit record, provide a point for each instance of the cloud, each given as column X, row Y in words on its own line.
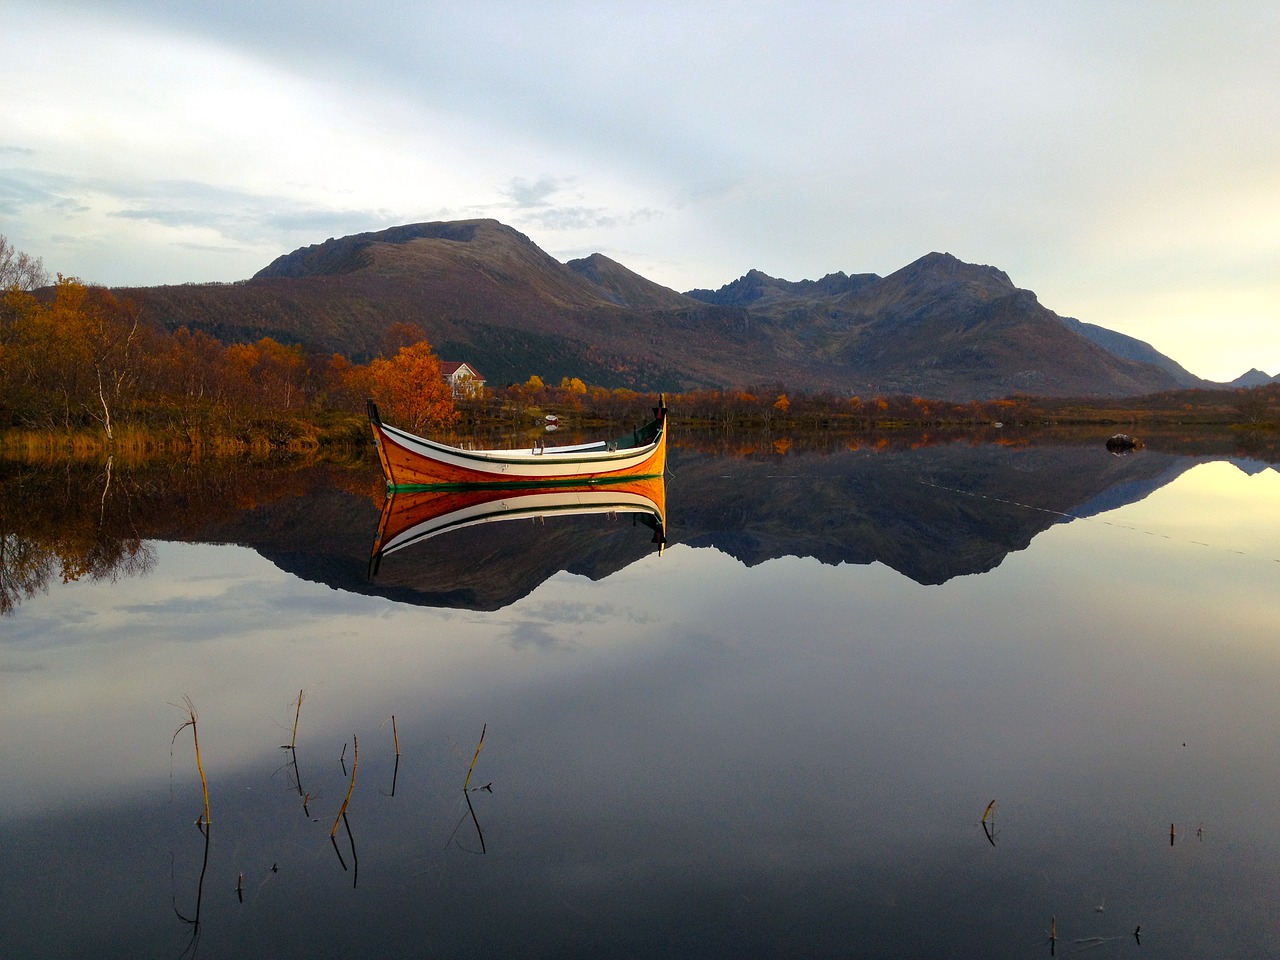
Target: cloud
column 537, row 636
column 532, row 203
column 587, row 218
column 533, row 193
column 183, row 205
column 20, row 189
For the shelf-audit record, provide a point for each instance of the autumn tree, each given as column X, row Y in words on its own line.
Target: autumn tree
column 1252, row 404
column 17, row 390
column 18, row 270
column 46, row 356
column 239, row 360
column 188, row 366
column 346, row 384
column 411, row 389
column 279, row 375
column 107, row 335
column 19, row 274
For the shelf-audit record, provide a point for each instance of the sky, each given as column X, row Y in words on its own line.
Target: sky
column 1121, row 159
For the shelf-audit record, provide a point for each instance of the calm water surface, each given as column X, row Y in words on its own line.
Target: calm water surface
column 777, row 738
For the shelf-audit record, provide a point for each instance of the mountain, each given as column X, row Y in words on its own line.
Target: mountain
column 487, row 294
column 625, row 288
column 1131, row 348
column 940, row 327
column 757, row 289
column 1254, row 378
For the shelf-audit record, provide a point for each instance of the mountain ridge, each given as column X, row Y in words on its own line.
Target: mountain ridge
column 484, row 292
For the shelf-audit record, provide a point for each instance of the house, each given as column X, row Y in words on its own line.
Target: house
column 463, row 379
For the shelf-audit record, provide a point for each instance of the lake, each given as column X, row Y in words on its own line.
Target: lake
column 779, row 734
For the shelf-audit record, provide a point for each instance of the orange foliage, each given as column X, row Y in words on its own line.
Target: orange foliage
column 346, row 383
column 411, row 389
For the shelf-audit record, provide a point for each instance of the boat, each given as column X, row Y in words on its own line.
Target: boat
column 413, row 462
column 414, row 516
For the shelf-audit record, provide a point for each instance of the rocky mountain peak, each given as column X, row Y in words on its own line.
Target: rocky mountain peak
column 944, row 270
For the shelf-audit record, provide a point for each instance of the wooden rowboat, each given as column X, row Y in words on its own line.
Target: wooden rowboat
column 416, row 515
column 412, row 462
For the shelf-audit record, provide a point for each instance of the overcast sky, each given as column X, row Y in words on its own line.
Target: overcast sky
column 1121, row 159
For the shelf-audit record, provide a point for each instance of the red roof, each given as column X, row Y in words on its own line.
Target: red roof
column 450, row 367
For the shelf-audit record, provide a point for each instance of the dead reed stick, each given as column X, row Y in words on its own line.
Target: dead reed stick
column 355, row 762
column 195, row 736
column 297, row 713
column 476, row 757
column 395, row 734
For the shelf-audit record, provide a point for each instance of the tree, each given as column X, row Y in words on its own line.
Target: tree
column 1251, row 404
column 112, row 343
column 411, row 389
column 19, row 270
column 189, row 367
column 279, row 374
column 346, row 383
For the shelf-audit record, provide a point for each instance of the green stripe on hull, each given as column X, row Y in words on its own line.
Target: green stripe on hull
column 523, row 484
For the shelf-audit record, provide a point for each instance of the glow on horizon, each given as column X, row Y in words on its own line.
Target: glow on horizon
column 1118, row 161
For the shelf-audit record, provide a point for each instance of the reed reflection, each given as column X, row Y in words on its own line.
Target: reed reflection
column 193, row 921
column 204, row 822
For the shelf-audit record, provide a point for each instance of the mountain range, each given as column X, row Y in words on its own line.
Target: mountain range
column 485, row 293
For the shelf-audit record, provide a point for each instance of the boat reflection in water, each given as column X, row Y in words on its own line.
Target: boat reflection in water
column 414, row 516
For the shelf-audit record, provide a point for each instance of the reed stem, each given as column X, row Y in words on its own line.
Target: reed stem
column 355, row 762
column 195, row 736
column 297, row 713
column 204, row 783
column 476, row 757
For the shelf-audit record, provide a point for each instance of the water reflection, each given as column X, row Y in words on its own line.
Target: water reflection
column 193, row 920
column 932, row 512
column 414, row 517
column 760, row 755
column 67, row 524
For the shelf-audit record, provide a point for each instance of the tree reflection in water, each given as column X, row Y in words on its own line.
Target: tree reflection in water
column 75, row 524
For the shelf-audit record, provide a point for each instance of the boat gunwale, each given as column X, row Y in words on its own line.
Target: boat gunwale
column 579, row 453
column 477, row 514
column 525, row 484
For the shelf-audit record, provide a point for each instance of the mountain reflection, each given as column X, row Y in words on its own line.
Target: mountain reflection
column 931, row 511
